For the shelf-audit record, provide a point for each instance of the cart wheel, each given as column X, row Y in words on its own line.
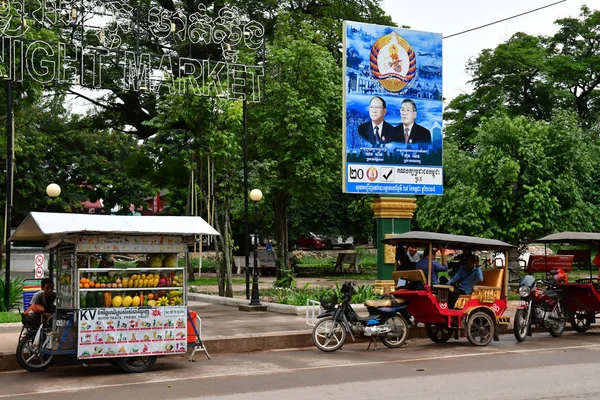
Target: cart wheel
column 438, row 333
column 480, row 329
column 29, row 357
column 581, row 320
column 399, row 333
column 329, row 335
column 136, row 364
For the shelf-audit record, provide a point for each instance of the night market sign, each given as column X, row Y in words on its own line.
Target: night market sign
column 114, row 27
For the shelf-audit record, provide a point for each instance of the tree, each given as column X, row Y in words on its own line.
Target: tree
column 298, row 124
column 524, row 179
column 531, row 76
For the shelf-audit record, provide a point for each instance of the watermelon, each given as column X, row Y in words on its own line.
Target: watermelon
column 99, row 299
column 82, row 300
column 90, row 300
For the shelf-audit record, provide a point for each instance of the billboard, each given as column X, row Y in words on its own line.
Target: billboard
column 392, row 130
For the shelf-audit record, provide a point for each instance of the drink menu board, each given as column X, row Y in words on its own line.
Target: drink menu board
column 131, row 331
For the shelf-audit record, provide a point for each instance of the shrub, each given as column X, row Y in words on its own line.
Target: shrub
column 15, row 293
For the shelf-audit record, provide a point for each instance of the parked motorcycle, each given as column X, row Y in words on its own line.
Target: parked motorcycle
column 387, row 321
column 542, row 307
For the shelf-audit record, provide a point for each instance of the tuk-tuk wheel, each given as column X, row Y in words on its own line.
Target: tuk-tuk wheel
column 136, row 364
column 480, row 328
column 28, row 356
column 438, row 333
column 581, row 320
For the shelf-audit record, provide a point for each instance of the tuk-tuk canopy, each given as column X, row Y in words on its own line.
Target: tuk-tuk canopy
column 571, row 237
column 461, row 242
column 42, row 226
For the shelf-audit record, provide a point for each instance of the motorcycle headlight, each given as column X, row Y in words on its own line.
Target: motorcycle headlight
column 524, row 291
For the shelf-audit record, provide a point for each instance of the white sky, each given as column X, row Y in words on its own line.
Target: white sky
column 453, row 16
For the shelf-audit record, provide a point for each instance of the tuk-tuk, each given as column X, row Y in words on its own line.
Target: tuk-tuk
column 479, row 315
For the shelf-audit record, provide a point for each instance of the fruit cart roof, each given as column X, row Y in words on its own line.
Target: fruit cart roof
column 42, row 226
column 446, row 240
column 571, row 237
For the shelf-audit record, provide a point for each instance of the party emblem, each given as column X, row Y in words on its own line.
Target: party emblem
column 393, row 62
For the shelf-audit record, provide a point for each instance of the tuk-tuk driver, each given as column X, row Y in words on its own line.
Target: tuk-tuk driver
column 467, row 276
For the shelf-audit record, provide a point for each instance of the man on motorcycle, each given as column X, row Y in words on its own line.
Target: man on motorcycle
column 42, row 302
column 467, row 276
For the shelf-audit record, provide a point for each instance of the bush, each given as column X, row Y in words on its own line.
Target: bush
column 299, row 296
column 15, row 296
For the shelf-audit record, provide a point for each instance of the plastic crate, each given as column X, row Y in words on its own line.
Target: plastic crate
column 30, row 288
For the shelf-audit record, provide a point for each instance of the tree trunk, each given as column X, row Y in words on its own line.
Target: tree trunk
column 224, row 257
column 280, row 205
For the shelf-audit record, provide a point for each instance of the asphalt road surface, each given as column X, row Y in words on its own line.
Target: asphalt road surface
column 540, row 368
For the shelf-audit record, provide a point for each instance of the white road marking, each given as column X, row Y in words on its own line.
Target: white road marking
column 280, row 370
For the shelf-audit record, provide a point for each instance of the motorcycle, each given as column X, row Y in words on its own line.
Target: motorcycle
column 387, row 320
column 544, row 308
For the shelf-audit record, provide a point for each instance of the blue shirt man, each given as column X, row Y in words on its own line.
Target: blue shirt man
column 468, row 275
column 436, row 267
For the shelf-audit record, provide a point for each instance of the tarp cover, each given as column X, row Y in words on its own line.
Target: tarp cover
column 41, row 226
column 446, row 240
column 571, row 237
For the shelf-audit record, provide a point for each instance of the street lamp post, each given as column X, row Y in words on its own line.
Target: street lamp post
column 53, row 191
column 255, row 196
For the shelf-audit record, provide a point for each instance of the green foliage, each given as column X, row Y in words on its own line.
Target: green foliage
column 15, row 296
column 9, row 317
column 524, row 179
column 299, row 296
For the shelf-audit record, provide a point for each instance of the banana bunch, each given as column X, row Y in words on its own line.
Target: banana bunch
column 163, row 301
column 176, row 301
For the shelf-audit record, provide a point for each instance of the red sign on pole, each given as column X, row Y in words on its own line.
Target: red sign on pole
column 39, row 266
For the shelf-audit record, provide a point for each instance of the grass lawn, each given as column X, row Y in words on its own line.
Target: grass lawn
column 6, row 317
column 213, row 281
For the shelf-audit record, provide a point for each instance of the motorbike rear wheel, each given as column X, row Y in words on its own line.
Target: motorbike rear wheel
column 329, row 335
column 581, row 320
column 558, row 330
column 439, row 333
column 399, row 333
column 521, row 325
column 480, row 328
column 29, row 357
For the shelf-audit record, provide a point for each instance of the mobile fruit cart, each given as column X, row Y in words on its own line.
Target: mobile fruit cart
column 583, row 295
column 127, row 313
column 479, row 316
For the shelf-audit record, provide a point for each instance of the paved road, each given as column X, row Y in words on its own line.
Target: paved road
column 543, row 367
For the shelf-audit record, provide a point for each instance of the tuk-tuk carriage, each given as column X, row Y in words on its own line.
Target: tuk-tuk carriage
column 479, row 316
column 582, row 296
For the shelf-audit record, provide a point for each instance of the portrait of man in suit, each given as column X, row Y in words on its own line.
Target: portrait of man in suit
column 409, row 131
column 377, row 131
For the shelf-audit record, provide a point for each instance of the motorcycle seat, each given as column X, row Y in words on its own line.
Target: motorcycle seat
column 383, row 303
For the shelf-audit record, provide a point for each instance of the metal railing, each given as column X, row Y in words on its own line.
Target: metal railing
column 313, row 308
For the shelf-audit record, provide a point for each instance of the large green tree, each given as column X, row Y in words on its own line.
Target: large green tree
column 531, row 76
column 523, row 179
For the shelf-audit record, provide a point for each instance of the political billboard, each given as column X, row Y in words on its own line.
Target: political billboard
column 392, row 130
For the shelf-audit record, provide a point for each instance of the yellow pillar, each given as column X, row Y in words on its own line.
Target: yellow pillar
column 393, row 217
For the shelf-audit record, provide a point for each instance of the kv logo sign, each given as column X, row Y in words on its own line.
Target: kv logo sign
column 357, row 173
column 87, row 315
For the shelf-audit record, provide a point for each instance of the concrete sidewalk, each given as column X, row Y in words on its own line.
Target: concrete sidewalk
column 225, row 329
